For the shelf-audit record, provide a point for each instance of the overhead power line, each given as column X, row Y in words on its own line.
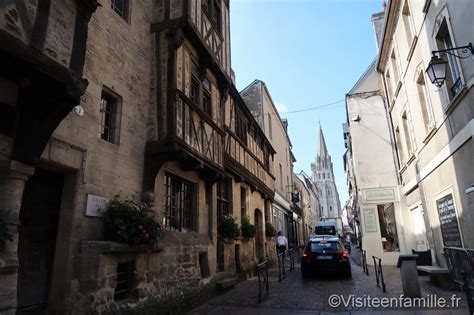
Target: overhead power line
column 311, row 108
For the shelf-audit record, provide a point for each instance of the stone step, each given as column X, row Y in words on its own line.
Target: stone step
column 226, row 283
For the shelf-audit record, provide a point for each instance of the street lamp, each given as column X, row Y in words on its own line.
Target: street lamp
column 436, row 70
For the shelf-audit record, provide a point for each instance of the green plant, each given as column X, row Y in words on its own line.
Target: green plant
column 4, row 234
column 129, row 222
column 248, row 229
column 269, row 230
column 228, row 228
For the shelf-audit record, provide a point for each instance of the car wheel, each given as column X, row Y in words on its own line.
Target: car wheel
column 348, row 273
column 304, row 274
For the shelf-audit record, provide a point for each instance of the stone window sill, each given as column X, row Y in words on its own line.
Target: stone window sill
column 431, row 132
column 456, row 100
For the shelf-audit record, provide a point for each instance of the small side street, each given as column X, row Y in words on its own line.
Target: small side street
column 293, row 295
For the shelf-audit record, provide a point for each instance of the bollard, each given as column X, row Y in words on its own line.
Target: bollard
column 262, row 273
column 409, row 275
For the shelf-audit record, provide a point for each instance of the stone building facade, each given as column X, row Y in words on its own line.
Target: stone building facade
column 286, row 215
column 129, row 98
column 323, row 177
column 433, row 126
column 371, row 168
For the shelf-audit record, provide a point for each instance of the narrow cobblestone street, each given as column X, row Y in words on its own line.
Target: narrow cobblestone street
column 296, row 296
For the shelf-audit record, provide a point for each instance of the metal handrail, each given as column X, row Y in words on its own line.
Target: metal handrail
column 365, row 267
column 379, row 272
column 281, row 266
column 291, row 254
column 460, row 262
column 262, row 273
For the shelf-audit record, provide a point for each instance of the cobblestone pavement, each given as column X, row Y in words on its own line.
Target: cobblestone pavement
column 293, row 295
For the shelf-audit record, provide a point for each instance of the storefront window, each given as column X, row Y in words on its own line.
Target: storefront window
column 388, row 228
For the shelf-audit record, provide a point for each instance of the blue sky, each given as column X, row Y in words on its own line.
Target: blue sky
column 309, row 53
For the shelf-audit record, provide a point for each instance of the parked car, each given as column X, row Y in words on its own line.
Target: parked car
column 325, row 255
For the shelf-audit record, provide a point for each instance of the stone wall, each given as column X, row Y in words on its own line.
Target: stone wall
column 166, row 277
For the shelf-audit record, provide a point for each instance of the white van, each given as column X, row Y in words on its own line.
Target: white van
column 325, row 228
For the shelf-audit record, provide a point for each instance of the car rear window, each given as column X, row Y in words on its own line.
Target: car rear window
column 326, row 246
column 325, row 230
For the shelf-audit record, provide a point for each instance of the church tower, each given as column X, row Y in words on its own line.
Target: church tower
column 323, row 177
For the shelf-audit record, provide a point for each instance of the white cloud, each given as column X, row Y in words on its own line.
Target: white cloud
column 281, row 108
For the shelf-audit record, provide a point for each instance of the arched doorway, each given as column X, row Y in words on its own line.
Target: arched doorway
column 259, row 245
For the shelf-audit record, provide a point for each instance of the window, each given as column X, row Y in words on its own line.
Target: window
column 179, row 203
column 408, row 22
column 453, row 75
column 200, row 89
column 395, row 70
column 281, row 178
column 206, row 97
column 398, row 138
column 125, row 280
column 425, row 105
column 240, row 126
column 267, row 210
column 406, row 131
column 388, row 81
column 388, row 227
column 109, row 129
column 213, row 10
column 223, row 200
column 121, row 7
column 243, row 202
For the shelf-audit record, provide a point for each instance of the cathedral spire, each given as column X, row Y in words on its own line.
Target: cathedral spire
column 322, row 150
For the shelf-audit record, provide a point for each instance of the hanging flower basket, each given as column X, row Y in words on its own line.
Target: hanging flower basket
column 248, row 229
column 130, row 222
column 228, row 229
column 269, row 230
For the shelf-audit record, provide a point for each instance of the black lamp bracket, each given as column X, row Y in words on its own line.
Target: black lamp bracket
column 464, row 51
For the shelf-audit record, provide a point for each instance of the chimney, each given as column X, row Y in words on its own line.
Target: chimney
column 378, row 24
column 285, row 123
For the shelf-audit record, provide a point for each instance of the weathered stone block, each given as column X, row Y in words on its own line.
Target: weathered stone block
column 89, row 285
column 7, row 298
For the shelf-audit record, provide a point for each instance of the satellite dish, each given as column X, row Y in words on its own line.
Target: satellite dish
column 79, row 110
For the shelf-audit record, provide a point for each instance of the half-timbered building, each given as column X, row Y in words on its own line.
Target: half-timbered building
column 129, row 98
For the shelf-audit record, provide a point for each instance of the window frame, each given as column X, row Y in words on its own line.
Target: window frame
column 199, row 91
column 424, row 101
column 124, row 13
column 213, row 11
column 180, row 203
column 224, row 199
column 407, row 17
column 442, row 30
column 243, row 202
column 110, row 112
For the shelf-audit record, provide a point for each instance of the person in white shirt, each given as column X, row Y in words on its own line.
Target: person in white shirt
column 282, row 244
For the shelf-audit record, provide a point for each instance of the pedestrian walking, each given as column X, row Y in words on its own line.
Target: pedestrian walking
column 282, row 244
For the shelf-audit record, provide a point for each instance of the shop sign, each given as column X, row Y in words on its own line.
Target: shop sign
column 95, row 205
column 380, row 194
column 448, row 221
column 370, row 220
